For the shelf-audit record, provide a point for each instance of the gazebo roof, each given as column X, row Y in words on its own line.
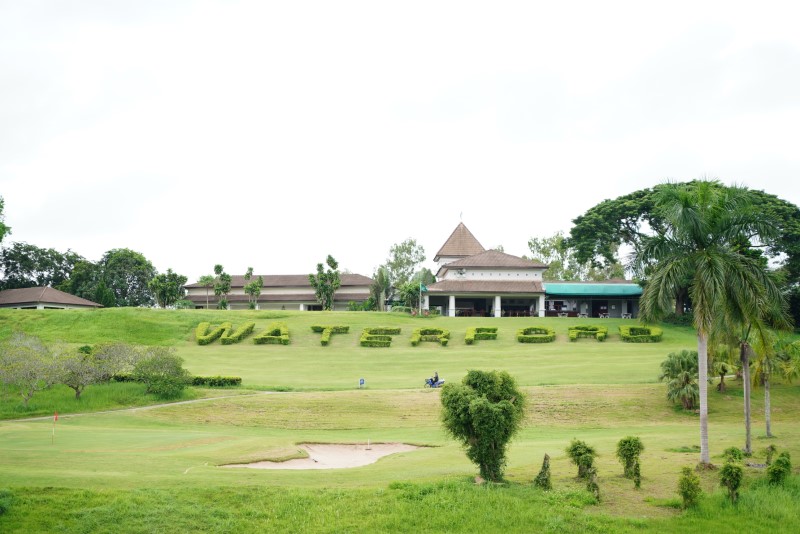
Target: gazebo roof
column 461, row 243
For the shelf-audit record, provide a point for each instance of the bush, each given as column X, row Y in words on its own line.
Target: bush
column 184, row 305
column 204, row 336
column 769, row 452
column 217, row 381
column 401, row 309
column 228, row 338
column 640, row 334
column 328, row 331
column 480, row 333
column 162, row 372
column 436, row 335
column 730, row 477
column 780, row 469
column 378, row 337
column 6, row 499
column 732, row 454
column 628, row 451
column 275, row 334
column 685, row 319
column 582, row 455
column 598, row 332
column 689, row 488
column 542, row 480
column 536, row 334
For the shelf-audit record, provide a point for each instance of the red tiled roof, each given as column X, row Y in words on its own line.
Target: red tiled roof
column 44, row 295
column 338, row 297
column 485, row 286
column 460, row 243
column 494, row 259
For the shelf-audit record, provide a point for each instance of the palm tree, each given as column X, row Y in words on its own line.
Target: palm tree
column 722, row 364
column 771, row 360
column 680, row 372
column 208, row 281
column 705, row 225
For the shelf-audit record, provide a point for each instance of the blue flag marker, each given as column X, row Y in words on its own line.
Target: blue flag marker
column 360, row 382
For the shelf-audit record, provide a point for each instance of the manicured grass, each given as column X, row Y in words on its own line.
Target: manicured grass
column 156, row 469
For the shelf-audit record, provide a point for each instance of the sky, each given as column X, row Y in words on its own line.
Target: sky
column 272, row 133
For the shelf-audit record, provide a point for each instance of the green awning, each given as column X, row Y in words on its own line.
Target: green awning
column 591, row 290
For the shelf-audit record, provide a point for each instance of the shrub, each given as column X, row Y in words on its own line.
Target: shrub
column 769, row 452
column 628, row 451
column 684, row 319
column 378, row 337
column 217, row 381
column 598, row 332
column 637, row 475
column 640, row 334
column 481, row 332
column 689, row 488
column 582, row 455
column 542, row 480
column 162, row 372
column 228, row 338
column 275, row 334
column 204, row 336
column 5, row 501
column 780, row 469
column 536, row 334
column 730, row 477
column 436, row 335
column 591, row 482
column 328, row 331
column 401, row 309
column 732, row 454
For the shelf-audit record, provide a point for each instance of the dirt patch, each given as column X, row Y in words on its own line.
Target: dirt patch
column 334, row 456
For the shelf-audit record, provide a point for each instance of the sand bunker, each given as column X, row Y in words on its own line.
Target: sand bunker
column 334, row 456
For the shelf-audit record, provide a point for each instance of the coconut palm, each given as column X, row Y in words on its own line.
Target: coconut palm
column 770, row 362
column 705, row 227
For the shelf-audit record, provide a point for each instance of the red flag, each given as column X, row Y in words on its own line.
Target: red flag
column 55, row 417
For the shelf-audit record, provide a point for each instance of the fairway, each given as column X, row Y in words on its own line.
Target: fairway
column 116, row 471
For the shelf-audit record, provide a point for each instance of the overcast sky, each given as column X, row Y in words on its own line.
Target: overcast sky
column 270, row 134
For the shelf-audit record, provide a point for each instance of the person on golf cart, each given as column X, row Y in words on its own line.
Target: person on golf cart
column 435, row 379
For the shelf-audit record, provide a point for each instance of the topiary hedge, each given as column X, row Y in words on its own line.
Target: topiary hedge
column 437, row 335
column 378, row 337
column 217, row 381
column 480, row 332
column 536, row 334
column 275, row 334
column 600, row 333
column 228, row 338
column 328, row 331
column 640, row 334
column 204, row 336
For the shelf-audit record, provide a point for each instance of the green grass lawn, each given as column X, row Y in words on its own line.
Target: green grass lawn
column 148, row 470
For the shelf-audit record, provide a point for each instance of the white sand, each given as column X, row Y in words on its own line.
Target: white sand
column 333, row 456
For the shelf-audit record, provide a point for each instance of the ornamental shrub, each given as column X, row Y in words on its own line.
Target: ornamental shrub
column 628, row 451
column 732, row 455
column 730, row 477
column 769, row 452
column 436, row 335
column 591, row 482
column 204, row 336
column 536, row 334
column 542, row 480
column 582, row 455
column 689, row 488
column 275, row 334
column 640, row 334
column 378, row 337
column 478, row 333
column 780, row 469
column 328, row 331
column 229, row 338
column 598, row 332
column 217, row 381
column 162, row 372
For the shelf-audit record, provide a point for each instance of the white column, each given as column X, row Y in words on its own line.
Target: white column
column 451, row 306
column 541, row 305
column 498, row 309
column 426, row 302
column 302, row 307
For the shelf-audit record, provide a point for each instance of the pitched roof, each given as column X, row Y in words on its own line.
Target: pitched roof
column 279, row 297
column 292, row 280
column 495, row 259
column 485, row 286
column 460, row 243
column 46, row 295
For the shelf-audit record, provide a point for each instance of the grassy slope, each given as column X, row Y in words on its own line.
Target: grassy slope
column 155, row 469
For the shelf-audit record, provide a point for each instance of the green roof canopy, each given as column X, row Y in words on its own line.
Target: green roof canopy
column 592, row 289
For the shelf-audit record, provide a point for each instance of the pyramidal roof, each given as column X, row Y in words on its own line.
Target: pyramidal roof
column 460, row 244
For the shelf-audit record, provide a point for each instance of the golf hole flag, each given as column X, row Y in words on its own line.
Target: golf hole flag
column 55, row 418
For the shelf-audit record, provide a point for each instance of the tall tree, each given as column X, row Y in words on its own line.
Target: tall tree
column 769, row 360
column 404, row 258
column 563, row 263
column 83, row 281
column 703, row 226
column 167, row 288
column 207, row 281
column 381, row 287
column 222, row 286
column 127, row 274
column 253, row 288
column 326, row 282
column 25, row 265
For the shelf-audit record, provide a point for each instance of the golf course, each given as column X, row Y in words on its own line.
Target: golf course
column 120, row 460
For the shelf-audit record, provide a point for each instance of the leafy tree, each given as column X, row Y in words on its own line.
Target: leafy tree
column 114, row 358
column 628, row 451
column 680, row 372
column 25, row 265
column 564, row 265
column 483, row 413
column 83, row 282
column 4, row 230
column 704, row 225
column 103, row 295
column 722, row 363
column 404, row 258
column 167, row 288
column 127, row 274
column 325, row 283
column 222, row 286
column 689, row 488
column 730, row 477
column 780, row 469
column 581, row 454
column 28, row 365
column 162, row 372
column 253, row 289
column 381, row 288
column 206, row 281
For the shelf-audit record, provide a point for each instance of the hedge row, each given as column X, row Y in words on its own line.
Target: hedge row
column 600, row 333
column 328, row 331
column 480, row 332
column 210, row 381
column 378, row 337
column 536, row 334
column 242, row 332
column 640, row 334
column 275, row 334
column 436, row 335
column 204, row 336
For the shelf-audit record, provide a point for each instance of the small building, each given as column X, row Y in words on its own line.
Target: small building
column 43, row 298
column 282, row 292
column 610, row 298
